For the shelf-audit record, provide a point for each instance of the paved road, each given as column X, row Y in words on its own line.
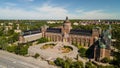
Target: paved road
column 8, row 60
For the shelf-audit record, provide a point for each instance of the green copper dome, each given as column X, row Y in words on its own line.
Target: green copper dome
column 109, row 36
column 102, row 45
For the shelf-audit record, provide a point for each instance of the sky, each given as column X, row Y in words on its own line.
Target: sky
column 59, row 9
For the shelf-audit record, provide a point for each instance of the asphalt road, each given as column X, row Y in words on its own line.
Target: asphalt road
column 8, row 60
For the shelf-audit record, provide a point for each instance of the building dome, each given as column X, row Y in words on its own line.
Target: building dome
column 67, row 20
column 109, row 36
column 102, row 45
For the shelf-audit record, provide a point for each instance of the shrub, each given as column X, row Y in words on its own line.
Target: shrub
column 77, row 64
column 68, row 47
column 36, row 55
column 21, row 50
column 47, row 46
column 68, row 63
column 108, row 66
column 42, row 40
column 89, row 65
column 59, row 61
column 105, row 60
column 82, row 52
column 51, row 63
column 11, row 48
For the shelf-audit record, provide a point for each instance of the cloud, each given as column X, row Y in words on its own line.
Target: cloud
column 10, row 4
column 80, row 11
column 96, row 14
column 29, row 0
column 52, row 11
column 47, row 11
column 43, row 12
column 17, row 13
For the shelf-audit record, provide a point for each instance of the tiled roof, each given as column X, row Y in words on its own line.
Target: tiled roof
column 59, row 30
column 54, row 30
column 81, row 32
column 30, row 32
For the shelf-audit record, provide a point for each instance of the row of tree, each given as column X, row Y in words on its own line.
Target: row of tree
column 68, row 63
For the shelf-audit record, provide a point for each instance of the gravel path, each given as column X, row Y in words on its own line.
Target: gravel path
column 52, row 54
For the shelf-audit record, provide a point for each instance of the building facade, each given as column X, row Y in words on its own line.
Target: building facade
column 85, row 38
column 67, row 34
column 102, row 47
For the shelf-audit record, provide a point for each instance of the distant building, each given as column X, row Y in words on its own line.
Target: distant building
column 10, row 23
column 18, row 29
column 1, row 24
column 51, row 22
column 8, row 28
column 75, row 23
column 54, row 21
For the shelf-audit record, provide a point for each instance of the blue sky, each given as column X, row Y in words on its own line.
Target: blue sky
column 59, row 9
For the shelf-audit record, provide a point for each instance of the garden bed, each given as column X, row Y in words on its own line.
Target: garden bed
column 46, row 46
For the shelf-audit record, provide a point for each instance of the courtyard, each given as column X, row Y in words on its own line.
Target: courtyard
column 52, row 50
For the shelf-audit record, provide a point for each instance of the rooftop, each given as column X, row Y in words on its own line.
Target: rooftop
column 81, row 32
column 30, row 32
column 54, row 30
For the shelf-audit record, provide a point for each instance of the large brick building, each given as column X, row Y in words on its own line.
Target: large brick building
column 102, row 47
column 67, row 34
column 85, row 38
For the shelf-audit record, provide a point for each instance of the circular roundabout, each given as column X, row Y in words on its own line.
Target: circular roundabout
column 52, row 50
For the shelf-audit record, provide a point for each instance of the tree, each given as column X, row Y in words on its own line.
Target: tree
column 11, row 48
column 36, row 55
column 3, row 43
column 59, row 62
column 116, row 60
column 42, row 40
column 17, row 50
column 1, row 31
column 9, row 32
column 105, row 60
column 22, row 50
column 89, row 65
column 108, row 66
column 82, row 52
column 77, row 64
column 15, row 37
column 67, row 63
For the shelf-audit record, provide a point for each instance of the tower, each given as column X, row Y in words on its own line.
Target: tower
column 66, row 26
column 18, row 26
column 96, row 32
column 66, row 29
column 102, row 49
column 43, row 29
